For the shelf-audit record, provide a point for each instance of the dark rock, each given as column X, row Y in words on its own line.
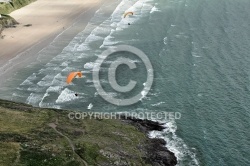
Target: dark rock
column 157, row 152
column 27, row 25
column 143, row 124
column 7, row 21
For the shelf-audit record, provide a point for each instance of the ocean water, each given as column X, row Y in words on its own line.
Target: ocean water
column 200, row 53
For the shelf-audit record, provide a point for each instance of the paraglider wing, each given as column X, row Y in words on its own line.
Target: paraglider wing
column 72, row 75
column 128, row 13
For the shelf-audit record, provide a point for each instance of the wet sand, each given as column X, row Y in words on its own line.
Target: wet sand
column 47, row 20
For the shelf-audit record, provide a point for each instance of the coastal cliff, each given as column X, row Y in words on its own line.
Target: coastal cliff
column 37, row 136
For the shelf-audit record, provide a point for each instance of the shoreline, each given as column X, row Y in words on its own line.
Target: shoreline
column 44, row 29
column 24, row 53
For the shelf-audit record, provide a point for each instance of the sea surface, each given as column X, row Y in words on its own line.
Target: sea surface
column 200, row 53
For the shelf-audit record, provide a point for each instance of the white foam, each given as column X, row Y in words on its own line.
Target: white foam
column 194, row 54
column 143, row 93
column 35, row 88
column 29, row 80
column 34, row 98
column 65, row 64
column 175, row 144
column 90, row 106
column 46, row 81
column 55, row 89
column 92, row 38
column 154, row 9
column 89, row 65
column 139, row 8
column 26, row 82
column 165, row 40
column 157, row 104
column 102, row 29
column 17, row 95
column 109, row 40
column 83, row 47
column 69, row 69
column 66, row 96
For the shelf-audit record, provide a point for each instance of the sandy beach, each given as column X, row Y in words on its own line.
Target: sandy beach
column 47, row 20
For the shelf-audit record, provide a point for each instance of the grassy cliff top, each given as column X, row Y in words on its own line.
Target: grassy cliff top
column 47, row 137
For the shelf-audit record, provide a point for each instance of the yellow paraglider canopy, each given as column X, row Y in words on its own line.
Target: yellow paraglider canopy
column 72, row 75
column 128, row 13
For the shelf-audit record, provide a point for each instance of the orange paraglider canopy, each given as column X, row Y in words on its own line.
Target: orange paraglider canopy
column 72, row 75
column 128, row 13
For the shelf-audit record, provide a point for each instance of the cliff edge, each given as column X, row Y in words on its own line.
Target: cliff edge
column 48, row 137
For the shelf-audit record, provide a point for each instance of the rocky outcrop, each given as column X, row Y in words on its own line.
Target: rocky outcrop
column 7, row 7
column 157, row 153
column 6, row 22
column 144, row 125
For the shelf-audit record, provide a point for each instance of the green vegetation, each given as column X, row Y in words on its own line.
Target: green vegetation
column 6, row 8
column 47, row 137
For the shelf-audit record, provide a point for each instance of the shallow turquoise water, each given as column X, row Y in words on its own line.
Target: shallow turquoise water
column 200, row 52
